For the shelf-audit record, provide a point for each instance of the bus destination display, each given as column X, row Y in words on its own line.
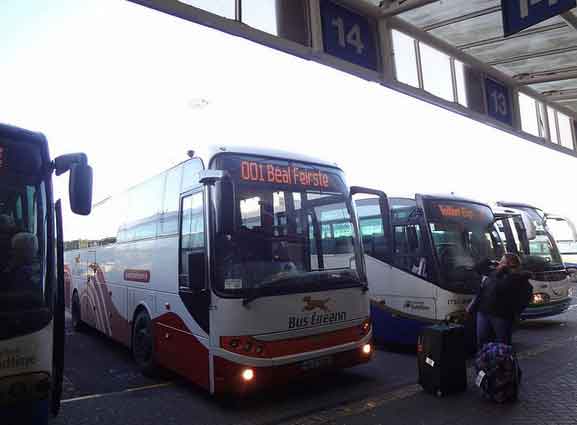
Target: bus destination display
column 451, row 211
column 458, row 212
column 280, row 174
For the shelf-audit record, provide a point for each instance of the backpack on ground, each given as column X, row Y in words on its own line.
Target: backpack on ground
column 498, row 372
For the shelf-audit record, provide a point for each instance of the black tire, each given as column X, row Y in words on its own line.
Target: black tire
column 76, row 313
column 142, row 346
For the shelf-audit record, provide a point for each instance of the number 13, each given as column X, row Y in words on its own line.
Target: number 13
column 499, row 103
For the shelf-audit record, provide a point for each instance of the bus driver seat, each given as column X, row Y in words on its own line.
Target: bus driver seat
column 7, row 231
column 24, row 268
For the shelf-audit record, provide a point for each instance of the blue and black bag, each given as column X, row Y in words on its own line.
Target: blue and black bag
column 498, row 372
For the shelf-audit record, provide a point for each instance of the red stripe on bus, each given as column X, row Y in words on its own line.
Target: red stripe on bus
column 176, row 348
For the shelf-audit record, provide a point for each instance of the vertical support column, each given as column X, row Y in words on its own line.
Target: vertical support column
column 419, row 64
column 316, row 26
column 546, row 119
column 454, row 80
column 538, row 116
column 238, row 10
column 559, row 141
column 387, row 50
column 574, row 133
column 515, row 104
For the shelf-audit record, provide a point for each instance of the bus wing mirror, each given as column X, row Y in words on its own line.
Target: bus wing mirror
column 210, row 177
column 80, row 188
column 384, row 207
column 383, row 201
column 80, row 183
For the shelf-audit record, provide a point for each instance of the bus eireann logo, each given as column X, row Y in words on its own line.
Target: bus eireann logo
column 311, row 304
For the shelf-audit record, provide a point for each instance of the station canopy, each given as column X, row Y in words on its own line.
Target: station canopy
column 511, row 64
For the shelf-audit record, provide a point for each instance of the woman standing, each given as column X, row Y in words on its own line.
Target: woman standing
column 503, row 296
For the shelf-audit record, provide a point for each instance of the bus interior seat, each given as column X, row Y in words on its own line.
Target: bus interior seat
column 24, row 248
column 7, row 231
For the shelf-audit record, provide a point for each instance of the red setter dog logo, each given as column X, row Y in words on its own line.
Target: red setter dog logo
column 311, row 304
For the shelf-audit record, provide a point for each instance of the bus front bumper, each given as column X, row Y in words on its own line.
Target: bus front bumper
column 230, row 375
column 547, row 310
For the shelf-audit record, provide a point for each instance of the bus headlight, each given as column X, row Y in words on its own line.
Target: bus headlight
column 540, row 298
column 247, row 375
column 367, row 349
column 457, row 317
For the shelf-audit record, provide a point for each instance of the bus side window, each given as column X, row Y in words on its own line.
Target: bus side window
column 192, row 240
column 374, row 243
column 169, row 220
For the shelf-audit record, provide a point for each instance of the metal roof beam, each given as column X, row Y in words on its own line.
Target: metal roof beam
column 547, row 76
column 395, row 7
column 564, row 95
column 534, row 55
column 570, row 18
column 462, row 18
column 525, row 33
column 561, row 95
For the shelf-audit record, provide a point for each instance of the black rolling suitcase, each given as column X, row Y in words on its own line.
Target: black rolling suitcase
column 441, row 359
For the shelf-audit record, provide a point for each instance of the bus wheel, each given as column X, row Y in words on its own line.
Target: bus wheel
column 143, row 344
column 77, row 322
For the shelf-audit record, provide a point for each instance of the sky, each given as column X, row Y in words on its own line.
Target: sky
column 136, row 89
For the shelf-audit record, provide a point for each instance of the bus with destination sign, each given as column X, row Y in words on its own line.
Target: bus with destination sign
column 238, row 269
column 550, row 278
column 424, row 268
column 32, row 273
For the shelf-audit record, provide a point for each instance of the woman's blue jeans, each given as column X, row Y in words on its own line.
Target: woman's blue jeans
column 493, row 329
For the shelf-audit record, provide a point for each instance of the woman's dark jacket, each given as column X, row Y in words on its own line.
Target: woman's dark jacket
column 505, row 294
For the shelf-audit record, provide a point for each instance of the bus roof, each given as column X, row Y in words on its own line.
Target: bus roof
column 213, row 151
column 450, row 197
column 517, row 205
column 500, row 211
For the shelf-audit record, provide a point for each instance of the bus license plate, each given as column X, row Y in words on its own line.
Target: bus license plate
column 316, row 363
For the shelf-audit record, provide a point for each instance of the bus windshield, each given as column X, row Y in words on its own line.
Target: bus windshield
column 542, row 249
column 289, row 235
column 463, row 235
column 22, row 230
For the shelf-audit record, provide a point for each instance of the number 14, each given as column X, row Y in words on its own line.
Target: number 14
column 351, row 38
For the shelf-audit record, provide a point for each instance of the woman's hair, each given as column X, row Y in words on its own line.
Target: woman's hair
column 513, row 260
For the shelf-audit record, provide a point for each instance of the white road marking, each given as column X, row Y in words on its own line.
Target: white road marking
column 129, row 390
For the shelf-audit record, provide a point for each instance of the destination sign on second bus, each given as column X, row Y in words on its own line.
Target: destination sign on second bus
column 457, row 212
column 280, row 174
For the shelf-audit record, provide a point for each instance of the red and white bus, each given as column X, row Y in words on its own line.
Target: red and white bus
column 237, row 270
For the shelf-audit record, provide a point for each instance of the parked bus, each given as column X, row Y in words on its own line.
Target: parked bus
column 542, row 258
column 31, row 273
column 427, row 273
column 238, row 270
column 565, row 234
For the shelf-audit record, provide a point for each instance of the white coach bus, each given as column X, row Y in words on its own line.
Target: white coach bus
column 427, row 274
column 550, row 278
column 238, row 270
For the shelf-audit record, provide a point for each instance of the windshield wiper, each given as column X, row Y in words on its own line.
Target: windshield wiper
column 256, row 292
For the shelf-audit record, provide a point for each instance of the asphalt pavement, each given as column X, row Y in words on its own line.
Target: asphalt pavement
column 102, row 386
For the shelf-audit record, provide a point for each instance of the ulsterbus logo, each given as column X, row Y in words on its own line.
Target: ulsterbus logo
column 320, row 314
column 13, row 359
